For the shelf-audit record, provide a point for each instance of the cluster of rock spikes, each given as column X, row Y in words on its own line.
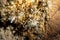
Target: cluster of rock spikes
column 26, row 18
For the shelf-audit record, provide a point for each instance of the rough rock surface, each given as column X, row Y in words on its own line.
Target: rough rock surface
column 29, row 20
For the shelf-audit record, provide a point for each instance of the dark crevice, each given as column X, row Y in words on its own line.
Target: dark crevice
column 26, row 38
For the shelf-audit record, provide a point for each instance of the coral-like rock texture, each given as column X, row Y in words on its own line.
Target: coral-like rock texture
column 26, row 20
